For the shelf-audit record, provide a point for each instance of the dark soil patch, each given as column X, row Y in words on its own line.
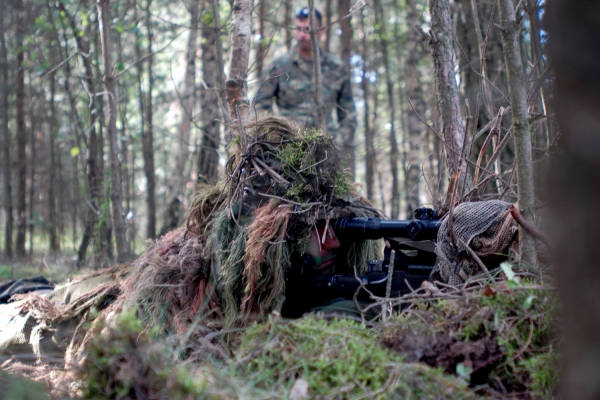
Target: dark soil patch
column 442, row 350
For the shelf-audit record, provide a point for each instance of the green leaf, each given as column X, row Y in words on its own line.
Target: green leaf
column 120, row 67
column 507, row 269
column 528, row 302
column 74, row 151
column 119, row 27
column 512, row 284
column 464, row 372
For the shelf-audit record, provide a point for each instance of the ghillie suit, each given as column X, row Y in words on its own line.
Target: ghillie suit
column 229, row 262
column 231, row 259
column 486, row 227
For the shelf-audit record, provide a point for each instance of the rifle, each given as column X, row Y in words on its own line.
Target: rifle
column 413, row 244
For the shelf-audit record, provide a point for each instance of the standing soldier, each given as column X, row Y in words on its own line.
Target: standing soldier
column 290, row 83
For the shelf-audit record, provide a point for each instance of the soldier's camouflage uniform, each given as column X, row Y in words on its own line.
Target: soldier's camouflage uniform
column 293, row 94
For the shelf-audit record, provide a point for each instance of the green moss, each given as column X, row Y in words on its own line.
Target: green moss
column 339, row 358
column 543, row 371
column 521, row 320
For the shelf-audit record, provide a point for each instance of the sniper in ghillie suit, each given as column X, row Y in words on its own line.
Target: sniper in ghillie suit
column 285, row 282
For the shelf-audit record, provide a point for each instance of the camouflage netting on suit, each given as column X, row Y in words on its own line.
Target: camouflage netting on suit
column 231, row 259
column 486, row 227
column 41, row 328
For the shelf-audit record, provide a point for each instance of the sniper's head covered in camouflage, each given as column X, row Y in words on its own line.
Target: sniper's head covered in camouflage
column 287, row 87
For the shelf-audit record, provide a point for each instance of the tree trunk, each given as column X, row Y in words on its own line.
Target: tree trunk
column 416, row 95
column 21, row 137
column 33, row 164
column 444, row 61
column 95, row 153
column 261, row 46
column 318, row 96
column 53, row 172
column 369, row 142
column 394, row 151
column 345, row 52
column 208, row 156
column 287, row 23
column 116, row 196
column 5, row 134
column 177, row 181
column 517, row 89
column 573, row 188
column 346, row 34
column 127, row 163
column 222, row 93
column 145, row 103
column 240, row 36
column 327, row 21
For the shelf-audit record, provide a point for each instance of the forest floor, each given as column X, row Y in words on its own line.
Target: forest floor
column 487, row 339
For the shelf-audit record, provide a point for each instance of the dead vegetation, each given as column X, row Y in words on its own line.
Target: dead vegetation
column 482, row 340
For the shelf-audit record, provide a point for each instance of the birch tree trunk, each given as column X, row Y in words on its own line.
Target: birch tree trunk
column 116, row 197
column 517, row 89
column 4, row 91
column 574, row 201
column 176, row 183
column 444, row 61
column 240, row 36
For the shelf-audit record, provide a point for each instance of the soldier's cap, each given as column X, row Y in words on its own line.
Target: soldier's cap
column 305, row 13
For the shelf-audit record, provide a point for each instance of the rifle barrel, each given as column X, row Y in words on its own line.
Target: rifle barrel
column 375, row 228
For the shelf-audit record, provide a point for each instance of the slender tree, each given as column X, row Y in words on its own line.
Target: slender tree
column 287, row 23
column 369, row 139
column 176, row 183
column 4, row 93
column 53, row 220
column 21, row 133
column 95, row 229
column 240, row 35
column 394, row 151
column 345, row 51
column 146, row 128
column 261, row 45
column 116, row 196
column 212, row 73
column 318, row 80
column 441, row 44
column 517, row 89
column 416, row 95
